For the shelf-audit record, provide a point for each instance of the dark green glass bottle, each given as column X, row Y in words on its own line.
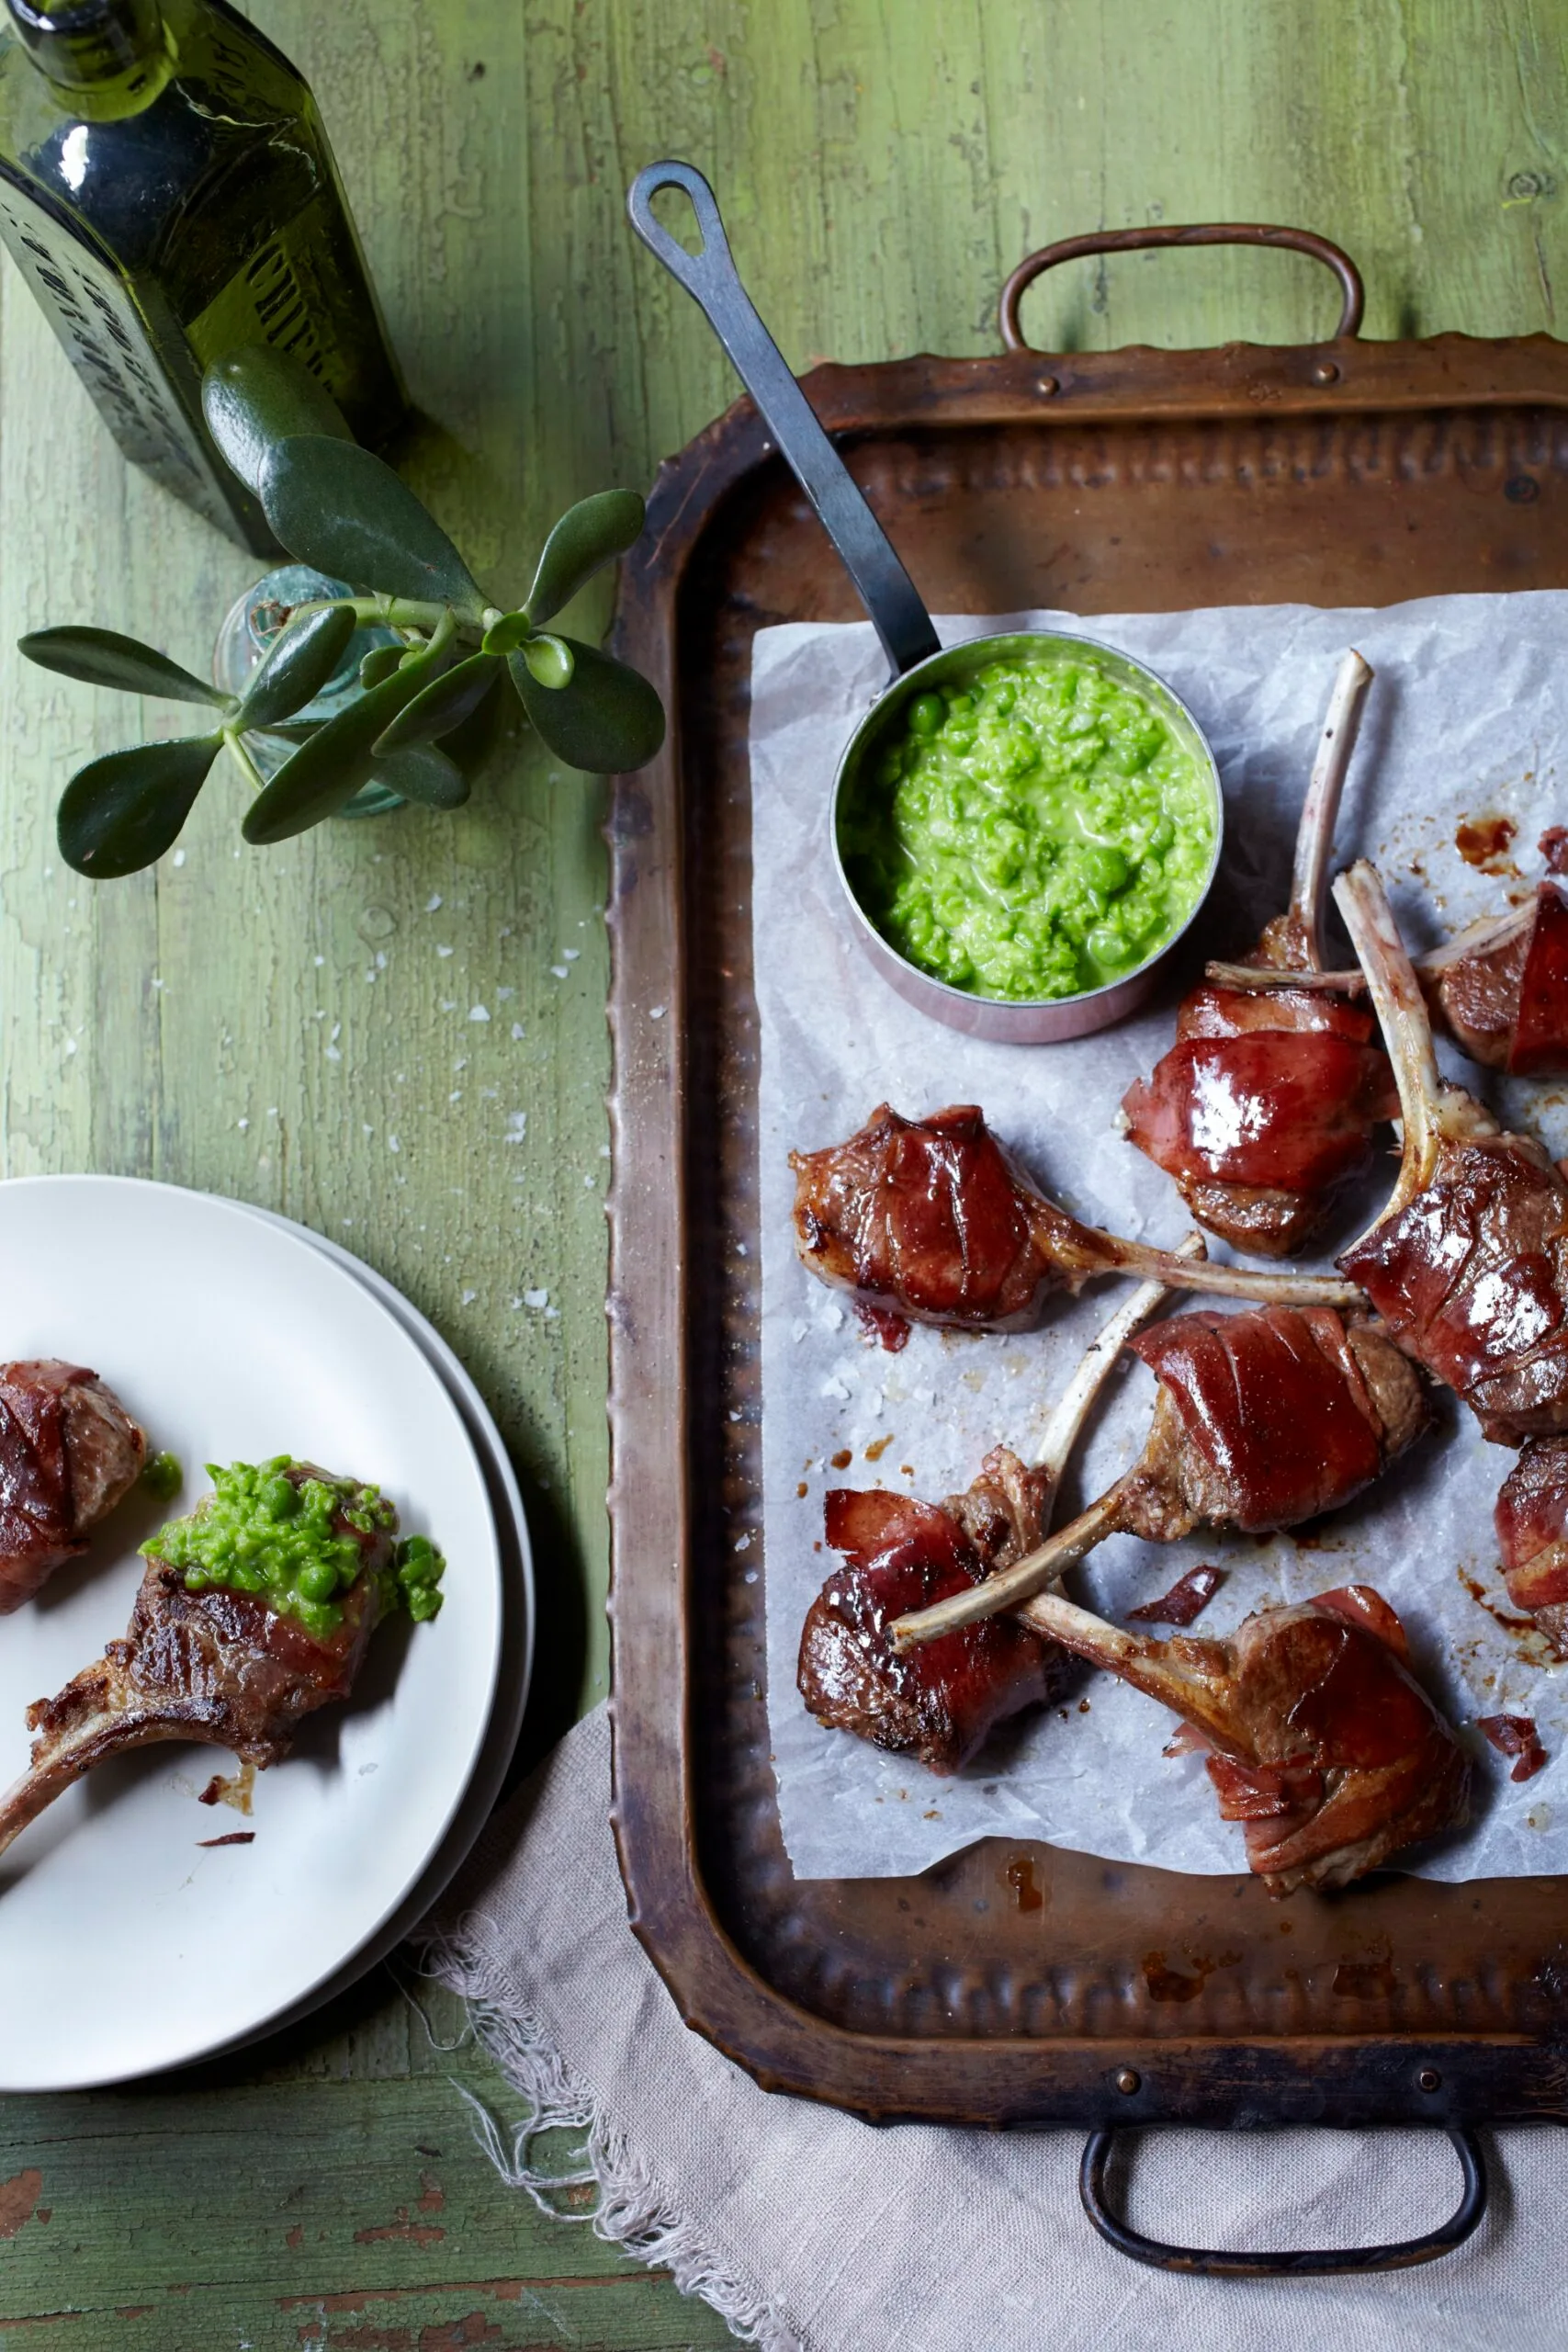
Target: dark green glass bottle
column 167, row 191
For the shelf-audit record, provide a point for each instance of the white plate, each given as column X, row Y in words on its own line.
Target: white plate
column 517, row 1633
column 125, row 1947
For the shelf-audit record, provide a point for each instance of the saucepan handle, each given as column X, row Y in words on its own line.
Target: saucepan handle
column 1311, row 2262
column 709, row 276
column 1205, row 232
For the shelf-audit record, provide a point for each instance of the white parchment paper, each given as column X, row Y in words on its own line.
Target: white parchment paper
column 1467, row 719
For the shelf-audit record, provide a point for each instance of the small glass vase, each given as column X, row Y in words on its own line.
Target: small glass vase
column 250, row 627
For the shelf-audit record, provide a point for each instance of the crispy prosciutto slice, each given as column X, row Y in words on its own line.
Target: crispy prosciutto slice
column 939, row 1705
column 69, row 1451
column 214, row 1666
column 1266, row 1104
column 1261, row 1421
column 932, row 1221
column 1531, row 1521
column 1320, row 1740
column 1469, row 1262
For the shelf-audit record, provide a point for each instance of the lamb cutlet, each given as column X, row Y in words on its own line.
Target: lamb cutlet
column 940, row 1704
column 1318, row 1736
column 69, row 1452
column 1261, row 1421
column 1264, row 1108
column 932, row 1221
column 215, row 1665
column 1468, row 1264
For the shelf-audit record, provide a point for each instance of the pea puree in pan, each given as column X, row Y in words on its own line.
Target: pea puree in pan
column 1031, row 832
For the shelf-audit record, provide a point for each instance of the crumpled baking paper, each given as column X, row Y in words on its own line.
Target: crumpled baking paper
column 1464, row 722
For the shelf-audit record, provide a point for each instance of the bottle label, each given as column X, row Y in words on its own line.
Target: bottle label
column 108, row 343
column 277, row 298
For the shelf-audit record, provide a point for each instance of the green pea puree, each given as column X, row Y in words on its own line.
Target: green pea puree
column 282, row 1537
column 1034, row 831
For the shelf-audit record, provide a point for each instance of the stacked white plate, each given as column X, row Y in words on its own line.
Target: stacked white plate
column 128, row 1942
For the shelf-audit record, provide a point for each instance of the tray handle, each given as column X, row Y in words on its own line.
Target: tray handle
column 1308, row 2262
column 1206, row 232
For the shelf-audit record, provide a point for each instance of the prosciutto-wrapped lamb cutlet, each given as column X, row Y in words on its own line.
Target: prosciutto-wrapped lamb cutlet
column 1261, row 1421
column 932, row 1221
column 69, row 1452
column 1499, row 989
column 1264, row 1107
column 212, row 1664
column 1468, row 1264
column 1531, row 1521
column 1319, row 1737
column 940, row 1704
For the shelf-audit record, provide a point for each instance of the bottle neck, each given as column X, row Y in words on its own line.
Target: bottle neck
column 98, row 49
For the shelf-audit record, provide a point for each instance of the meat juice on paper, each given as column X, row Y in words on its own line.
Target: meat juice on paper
column 1459, row 744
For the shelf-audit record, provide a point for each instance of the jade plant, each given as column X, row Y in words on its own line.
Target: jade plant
column 335, row 506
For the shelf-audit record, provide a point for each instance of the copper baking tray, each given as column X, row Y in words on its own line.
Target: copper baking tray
column 1013, row 1984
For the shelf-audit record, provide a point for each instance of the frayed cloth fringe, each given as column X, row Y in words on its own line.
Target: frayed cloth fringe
column 631, row 2212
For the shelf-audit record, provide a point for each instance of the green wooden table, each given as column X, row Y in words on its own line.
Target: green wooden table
column 343, row 1028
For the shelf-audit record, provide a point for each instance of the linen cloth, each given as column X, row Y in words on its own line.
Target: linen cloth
column 812, row 2232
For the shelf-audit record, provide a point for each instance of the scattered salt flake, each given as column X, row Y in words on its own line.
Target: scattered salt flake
column 535, row 1299
column 179, row 857
column 591, row 1182
column 318, row 961
column 448, row 1005
column 335, row 1053
column 242, row 1125
column 456, row 1095
column 445, row 951
column 392, row 1144
column 517, row 1127
column 156, row 981
column 741, row 1250
column 835, row 1387
column 735, row 1417
column 517, row 1032
column 467, row 1299
column 750, row 1577
column 504, row 996
column 479, row 1012
column 70, row 1044
column 657, row 1011
column 433, row 904
column 743, row 1543
column 552, row 1314
column 570, row 955
column 604, row 1151
column 558, row 971
column 381, row 959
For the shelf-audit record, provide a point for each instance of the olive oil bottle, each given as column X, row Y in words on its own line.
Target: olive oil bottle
column 168, row 193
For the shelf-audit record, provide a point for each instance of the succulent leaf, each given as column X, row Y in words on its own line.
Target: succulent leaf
column 301, row 659
column 101, row 657
column 550, row 660
column 256, row 396
column 380, row 662
column 334, row 505
column 587, row 537
column 505, row 635
column 330, row 768
column 437, row 708
column 120, row 812
column 423, row 775
column 608, row 720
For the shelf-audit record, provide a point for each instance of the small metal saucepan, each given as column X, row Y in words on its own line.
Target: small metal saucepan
column 902, row 623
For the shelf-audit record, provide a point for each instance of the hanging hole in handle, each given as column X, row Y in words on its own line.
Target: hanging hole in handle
column 1306, row 2262
column 1353, row 296
column 673, row 208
